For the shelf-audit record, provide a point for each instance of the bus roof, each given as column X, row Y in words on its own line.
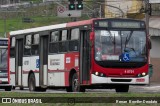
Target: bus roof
column 57, row 26
column 51, row 27
column 79, row 23
column 37, row 29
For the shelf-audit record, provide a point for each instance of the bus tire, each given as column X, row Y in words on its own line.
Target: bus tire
column 21, row 88
column 122, row 88
column 69, row 89
column 8, row 88
column 32, row 83
column 75, row 84
column 13, row 87
column 43, row 89
column 82, row 89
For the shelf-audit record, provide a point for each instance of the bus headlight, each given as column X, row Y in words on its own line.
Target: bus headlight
column 99, row 74
column 142, row 74
column 96, row 73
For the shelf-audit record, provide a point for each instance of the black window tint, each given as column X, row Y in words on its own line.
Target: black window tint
column 63, row 46
column 53, row 48
column 12, row 52
column 27, row 50
column 35, row 49
column 73, row 45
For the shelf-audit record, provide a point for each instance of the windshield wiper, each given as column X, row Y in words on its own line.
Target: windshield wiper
column 127, row 40
column 112, row 39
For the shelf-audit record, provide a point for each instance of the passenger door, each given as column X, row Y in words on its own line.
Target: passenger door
column 85, row 57
column 18, row 60
column 43, row 76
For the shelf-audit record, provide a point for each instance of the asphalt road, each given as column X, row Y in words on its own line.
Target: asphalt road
column 152, row 88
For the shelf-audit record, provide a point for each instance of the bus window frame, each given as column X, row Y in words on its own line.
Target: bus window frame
column 12, row 48
column 55, row 42
column 30, row 46
column 63, row 41
column 73, row 40
column 36, row 45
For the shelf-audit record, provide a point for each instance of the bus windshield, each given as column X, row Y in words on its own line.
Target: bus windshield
column 3, row 59
column 112, row 45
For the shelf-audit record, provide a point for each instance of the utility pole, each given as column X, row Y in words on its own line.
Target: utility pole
column 147, row 14
column 100, row 11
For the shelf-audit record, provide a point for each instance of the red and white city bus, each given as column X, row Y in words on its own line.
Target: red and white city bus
column 4, row 73
column 95, row 53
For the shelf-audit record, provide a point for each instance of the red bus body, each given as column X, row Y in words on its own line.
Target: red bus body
column 75, row 66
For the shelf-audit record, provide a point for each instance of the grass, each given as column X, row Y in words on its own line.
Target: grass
column 75, row 97
column 17, row 24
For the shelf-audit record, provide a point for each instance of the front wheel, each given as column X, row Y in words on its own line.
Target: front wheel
column 122, row 88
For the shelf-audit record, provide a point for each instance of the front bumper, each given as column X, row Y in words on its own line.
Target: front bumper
column 119, row 80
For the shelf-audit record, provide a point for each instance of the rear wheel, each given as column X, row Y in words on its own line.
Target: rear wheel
column 69, row 89
column 21, row 88
column 8, row 88
column 43, row 89
column 75, row 87
column 13, row 87
column 32, row 86
column 122, row 88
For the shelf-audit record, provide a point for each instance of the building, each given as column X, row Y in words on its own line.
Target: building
column 5, row 2
column 123, row 8
column 154, row 30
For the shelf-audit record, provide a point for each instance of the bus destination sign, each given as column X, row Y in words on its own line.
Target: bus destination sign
column 3, row 43
column 126, row 24
column 101, row 24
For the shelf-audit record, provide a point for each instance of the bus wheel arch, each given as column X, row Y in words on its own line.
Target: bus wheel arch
column 71, row 73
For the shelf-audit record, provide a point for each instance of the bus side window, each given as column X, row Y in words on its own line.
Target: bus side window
column 27, row 46
column 63, row 43
column 12, row 49
column 35, row 45
column 73, row 43
column 53, row 45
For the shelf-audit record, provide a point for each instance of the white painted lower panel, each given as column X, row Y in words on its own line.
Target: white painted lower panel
column 107, row 80
column 19, row 74
column 56, row 62
column 45, row 74
column 37, row 79
column 12, row 69
column 25, row 80
column 56, row 79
